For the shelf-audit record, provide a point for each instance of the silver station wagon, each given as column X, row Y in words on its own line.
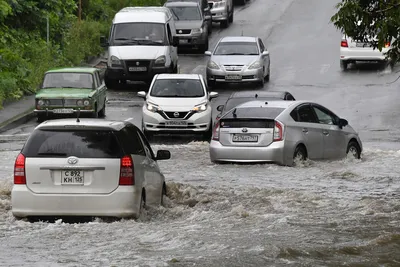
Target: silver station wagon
column 282, row 132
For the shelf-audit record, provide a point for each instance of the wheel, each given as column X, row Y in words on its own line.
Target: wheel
column 210, row 28
column 261, row 82
column 300, row 154
column 211, row 83
column 102, row 112
column 208, row 134
column 204, row 47
column 142, row 205
column 343, row 64
column 225, row 23
column 231, row 18
column 95, row 113
column 353, row 149
column 163, row 193
column 110, row 83
column 175, row 70
column 267, row 78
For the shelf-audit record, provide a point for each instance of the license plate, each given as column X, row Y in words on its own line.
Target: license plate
column 72, row 177
column 233, row 77
column 183, row 41
column 137, row 69
column 244, row 138
column 176, row 123
column 363, row 45
column 63, row 111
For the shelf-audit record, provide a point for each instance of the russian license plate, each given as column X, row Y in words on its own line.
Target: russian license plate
column 233, row 77
column 176, row 123
column 183, row 41
column 137, row 68
column 72, row 177
column 363, row 45
column 63, row 111
column 244, row 138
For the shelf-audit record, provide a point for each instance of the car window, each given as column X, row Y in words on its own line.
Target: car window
column 186, row 13
column 139, row 33
column 98, row 79
column 78, row 143
column 177, row 88
column 306, row 114
column 254, row 112
column 147, row 146
column 236, row 48
column 68, row 80
column 130, row 141
column 289, row 97
column 324, row 116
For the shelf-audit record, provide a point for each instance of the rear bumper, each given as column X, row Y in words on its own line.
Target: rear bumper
column 272, row 153
column 354, row 54
column 123, row 202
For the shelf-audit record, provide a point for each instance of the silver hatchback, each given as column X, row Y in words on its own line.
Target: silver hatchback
column 282, row 132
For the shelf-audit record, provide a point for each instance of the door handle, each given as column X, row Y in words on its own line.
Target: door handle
column 325, row 132
column 305, row 130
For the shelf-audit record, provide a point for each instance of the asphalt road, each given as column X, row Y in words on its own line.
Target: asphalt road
column 323, row 214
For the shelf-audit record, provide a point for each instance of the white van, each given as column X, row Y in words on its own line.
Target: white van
column 142, row 43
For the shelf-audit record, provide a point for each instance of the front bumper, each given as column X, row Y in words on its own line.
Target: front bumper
column 121, row 203
column 219, row 14
column 191, row 39
column 62, row 111
column 188, row 122
column 124, row 72
column 354, row 54
column 246, row 75
column 275, row 153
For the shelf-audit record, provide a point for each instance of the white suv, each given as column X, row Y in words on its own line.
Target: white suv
column 352, row 51
column 91, row 167
column 177, row 103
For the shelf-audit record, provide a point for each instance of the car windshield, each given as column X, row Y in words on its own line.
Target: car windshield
column 138, row 34
column 233, row 102
column 78, row 143
column 237, row 48
column 177, row 88
column 186, row 13
column 68, row 80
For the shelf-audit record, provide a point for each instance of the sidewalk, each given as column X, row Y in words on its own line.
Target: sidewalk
column 21, row 111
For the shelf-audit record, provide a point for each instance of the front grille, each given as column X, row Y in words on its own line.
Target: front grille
column 172, row 114
column 70, row 102
column 138, row 63
column 233, row 67
column 184, row 31
column 56, row 102
column 247, row 123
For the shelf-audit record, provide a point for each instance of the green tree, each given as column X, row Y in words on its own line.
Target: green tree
column 360, row 19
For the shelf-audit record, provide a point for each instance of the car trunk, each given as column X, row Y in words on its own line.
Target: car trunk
column 72, row 161
column 246, row 132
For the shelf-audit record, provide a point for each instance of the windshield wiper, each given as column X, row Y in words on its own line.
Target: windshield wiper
column 121, row 39
column 233, row 54
column 173, row 12
column 251, row 54
column 52, row 154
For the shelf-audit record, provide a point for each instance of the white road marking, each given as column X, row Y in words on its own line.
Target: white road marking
column 128, row 119
column 324, row 68
column 200, row 69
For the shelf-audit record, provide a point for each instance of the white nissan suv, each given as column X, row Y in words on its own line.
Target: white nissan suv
column 178, row 103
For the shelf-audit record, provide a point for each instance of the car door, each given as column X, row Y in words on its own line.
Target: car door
column 102, row 90
column 174, row 50
column 309, row 129
column 334, row 138
column 265, row 58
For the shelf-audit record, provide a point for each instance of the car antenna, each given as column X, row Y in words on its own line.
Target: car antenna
column 256, row 95
column 77, row 115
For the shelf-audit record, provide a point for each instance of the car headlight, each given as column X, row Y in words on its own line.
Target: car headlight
column 255, row 65
column 219, row 4
column 160, row 60
column 212, row 65
column 114, row 62
column 200, row 108
column 41, row 102
column 79, row 102
column 86, row 102
column 199, row 30
column 152, row 107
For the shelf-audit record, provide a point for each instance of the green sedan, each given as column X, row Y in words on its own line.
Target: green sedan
column 67, row 91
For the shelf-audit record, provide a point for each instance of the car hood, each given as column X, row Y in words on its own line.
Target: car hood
column 64, row 93
column 147, row 52
column 234, row 60
column 188, row 24
column 176, row 104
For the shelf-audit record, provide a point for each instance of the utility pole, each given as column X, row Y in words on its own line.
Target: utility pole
column 80, row 11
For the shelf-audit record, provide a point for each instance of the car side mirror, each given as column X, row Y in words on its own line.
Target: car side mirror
column 175, row 41
column 213, row 95
column 207, row 53
column 103, row 41
column 141, row 94
column 265, row 53
column 163, row 155
column 343, row 123
column 220, row 108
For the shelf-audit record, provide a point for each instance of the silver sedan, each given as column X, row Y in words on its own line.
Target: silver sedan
column 238, row 59
column 282, row 132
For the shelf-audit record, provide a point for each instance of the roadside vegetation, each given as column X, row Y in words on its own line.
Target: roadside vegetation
column 25, row 53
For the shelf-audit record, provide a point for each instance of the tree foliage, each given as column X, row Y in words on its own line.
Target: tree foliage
column 360, row 19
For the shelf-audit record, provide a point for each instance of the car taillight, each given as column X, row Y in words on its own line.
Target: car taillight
column 215, row 135
column 19, row 170
column 343, row 43
column 387, row 44
column 127, row 175
column 278, row 131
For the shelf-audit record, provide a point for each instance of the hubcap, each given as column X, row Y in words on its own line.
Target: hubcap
column 353, row 151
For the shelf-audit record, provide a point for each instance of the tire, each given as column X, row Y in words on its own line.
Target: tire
column 267, row 78
column 102, row 112
column 300, row 153
column 95, row 113
column 110, row 83
column 204, row 47
column 163, row 193
column 211, row 83
column 353, row 149
column 210, row 29
column 208, row 134
column 175, row 70
column 225, row 23
column 343, row 65
column 142, row 205
column 231, row 18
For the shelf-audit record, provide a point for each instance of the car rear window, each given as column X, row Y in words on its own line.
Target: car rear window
column 254, row 113
column 78, row 143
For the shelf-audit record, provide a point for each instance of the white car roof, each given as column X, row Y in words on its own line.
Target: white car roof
column 72, row 123
column 239, row 39
column 179, row 76
column 142, row 14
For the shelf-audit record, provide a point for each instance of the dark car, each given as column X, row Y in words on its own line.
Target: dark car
column 204, row 7
column 238, row 98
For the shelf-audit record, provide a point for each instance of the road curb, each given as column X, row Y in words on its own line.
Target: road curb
column 17, row 120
